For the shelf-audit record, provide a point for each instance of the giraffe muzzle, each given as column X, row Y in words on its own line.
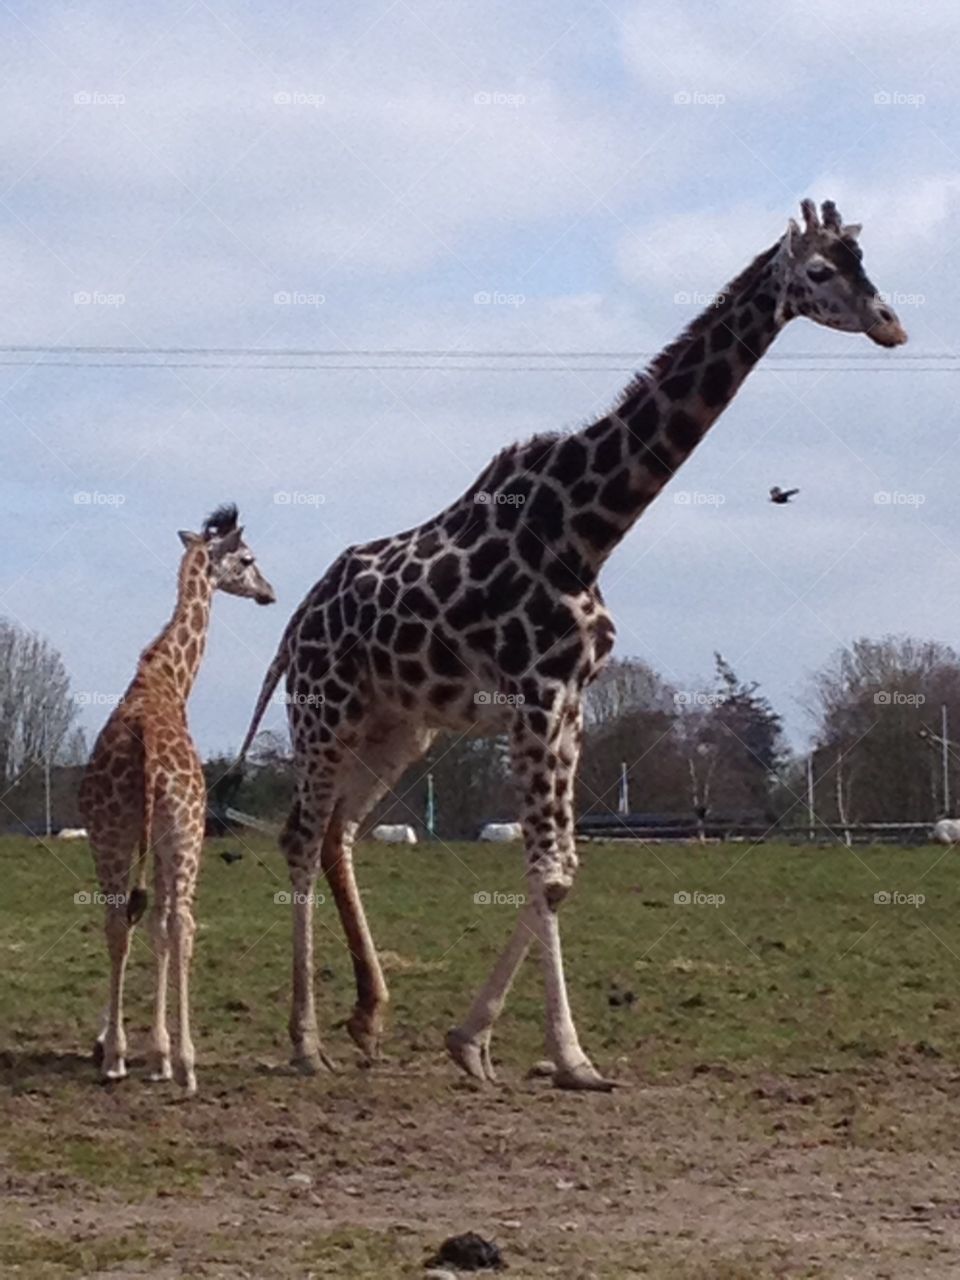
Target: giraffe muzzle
column 885, row 329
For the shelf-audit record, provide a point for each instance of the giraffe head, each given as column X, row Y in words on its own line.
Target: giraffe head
column 824, row 278
column 231, row 564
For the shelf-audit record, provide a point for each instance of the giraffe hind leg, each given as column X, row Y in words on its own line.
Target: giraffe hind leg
column 385, row 749
column 300, row 843
column 112, row 858
column 161, row 1067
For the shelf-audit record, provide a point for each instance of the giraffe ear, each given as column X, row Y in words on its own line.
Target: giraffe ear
column 229, row 542
column 187, row 538
column 852, row 231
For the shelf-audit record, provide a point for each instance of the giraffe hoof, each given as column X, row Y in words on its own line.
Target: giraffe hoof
column 161, row 1072
column 583, row 1076
column 312, row 1064
column 365, row 1034
column 116, row 1072
column 471, row 1055
column 186, row 1078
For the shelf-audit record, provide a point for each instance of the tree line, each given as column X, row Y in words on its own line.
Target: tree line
column 716, row 748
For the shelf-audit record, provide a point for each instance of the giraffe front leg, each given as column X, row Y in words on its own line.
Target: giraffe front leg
column 549, row 769
column 572, row 1068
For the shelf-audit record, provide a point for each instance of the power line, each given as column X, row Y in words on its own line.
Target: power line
column 436, row 353
column 438, row 368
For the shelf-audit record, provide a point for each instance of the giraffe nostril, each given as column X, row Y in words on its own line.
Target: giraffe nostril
column 885, row 315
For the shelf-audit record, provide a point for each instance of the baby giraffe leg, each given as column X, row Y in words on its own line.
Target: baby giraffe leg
column 182, row 929
column 113, row 1040
column 160, row 1066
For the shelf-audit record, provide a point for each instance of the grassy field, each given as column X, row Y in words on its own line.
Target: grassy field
column 786, row 1038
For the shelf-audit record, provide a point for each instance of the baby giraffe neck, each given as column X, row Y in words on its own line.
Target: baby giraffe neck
column 174, row 658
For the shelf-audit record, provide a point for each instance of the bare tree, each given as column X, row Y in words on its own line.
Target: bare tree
column 872, row 702
column 36, row 707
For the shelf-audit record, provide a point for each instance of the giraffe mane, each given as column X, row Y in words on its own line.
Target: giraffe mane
column 701, row 324
column 221, row 521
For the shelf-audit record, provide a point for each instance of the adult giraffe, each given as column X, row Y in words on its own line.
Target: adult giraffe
column 489, row 615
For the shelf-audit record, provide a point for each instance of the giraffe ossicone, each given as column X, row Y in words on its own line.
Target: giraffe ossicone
column 489, row 617
column 143, row 794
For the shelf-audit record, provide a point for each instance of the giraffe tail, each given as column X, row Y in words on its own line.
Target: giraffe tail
column 138, row 898
column 276, row 669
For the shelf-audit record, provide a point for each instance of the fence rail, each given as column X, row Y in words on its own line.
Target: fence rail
column 655, row 827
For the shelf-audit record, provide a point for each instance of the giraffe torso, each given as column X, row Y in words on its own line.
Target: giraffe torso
column 111, row 794
column 454, row 621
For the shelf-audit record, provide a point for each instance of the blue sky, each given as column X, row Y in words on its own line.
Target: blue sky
column 182, row 165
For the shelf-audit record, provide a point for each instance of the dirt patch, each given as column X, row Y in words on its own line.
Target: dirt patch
column 844, row 1174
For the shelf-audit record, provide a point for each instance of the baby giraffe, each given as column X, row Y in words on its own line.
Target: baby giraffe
column 144, row 788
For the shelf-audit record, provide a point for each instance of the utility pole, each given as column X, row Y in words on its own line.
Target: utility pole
column 431, row 814
column 623, row 806
column 945, row 759
column 810, row 832
column 47, row 806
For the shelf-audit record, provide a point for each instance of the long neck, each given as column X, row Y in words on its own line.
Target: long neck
column 174, row 658
column 667, row 410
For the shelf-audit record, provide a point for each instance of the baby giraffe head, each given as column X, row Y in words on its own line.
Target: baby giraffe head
column 231, row 564
column 824, row 278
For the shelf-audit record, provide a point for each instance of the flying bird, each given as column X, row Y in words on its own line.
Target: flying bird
column 782, row 496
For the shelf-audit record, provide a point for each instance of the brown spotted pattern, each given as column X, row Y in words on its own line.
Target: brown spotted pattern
column 144, row 790
column 488, row 618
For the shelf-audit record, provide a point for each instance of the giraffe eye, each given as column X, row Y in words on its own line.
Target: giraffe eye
column 246, row 561
column 820, row 274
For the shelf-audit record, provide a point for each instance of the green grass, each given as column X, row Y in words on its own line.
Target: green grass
column 798, row 966
column 797, row 1016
